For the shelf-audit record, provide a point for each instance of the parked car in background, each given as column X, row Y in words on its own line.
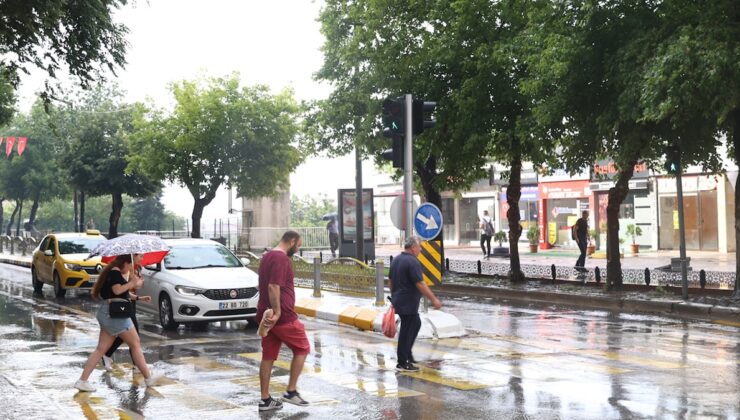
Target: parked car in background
column 199, row 281
column 59, row 260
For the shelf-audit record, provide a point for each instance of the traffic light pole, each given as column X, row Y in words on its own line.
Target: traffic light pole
column 408, row 184
column 682, row 231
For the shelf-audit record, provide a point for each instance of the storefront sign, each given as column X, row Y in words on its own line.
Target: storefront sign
column 607, row 169
column 529, row 193
column 564, row 210
column 689, row 183
column 568, row 189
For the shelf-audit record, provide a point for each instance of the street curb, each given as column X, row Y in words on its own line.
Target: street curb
column 675, row 308
column 9, row 261
column 350, row 315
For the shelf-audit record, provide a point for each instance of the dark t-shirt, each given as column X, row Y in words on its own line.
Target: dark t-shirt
column 114, row 277
column 405, row 273
column 582, row 229
column 275, row 268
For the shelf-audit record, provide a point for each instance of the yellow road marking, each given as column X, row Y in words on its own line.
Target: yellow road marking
column 372, row 386
column 728, row 323
column 278, row 385
column 456, row 380
column 625, row 358
column 94, row 408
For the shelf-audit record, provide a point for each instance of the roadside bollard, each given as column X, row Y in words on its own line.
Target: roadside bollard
column 321, row 256
column 2, row 242
column 23, row 245
column 447, row 263
column 597, row 275
column 647, row 277
column 300, row 252
column 379, row 284
column 317, row 277
column 702, row 278
column 480, row 268
column 391, row 260
column 554, row 273
column 12, row 245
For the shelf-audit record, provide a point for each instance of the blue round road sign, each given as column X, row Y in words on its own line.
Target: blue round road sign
column 428, row 221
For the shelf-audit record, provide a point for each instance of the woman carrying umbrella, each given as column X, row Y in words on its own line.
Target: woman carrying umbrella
column 113, row 287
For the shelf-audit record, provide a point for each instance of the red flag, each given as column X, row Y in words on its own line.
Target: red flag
column 22, row 145
column 9, row 146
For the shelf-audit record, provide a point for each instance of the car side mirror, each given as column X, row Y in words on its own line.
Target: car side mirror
column 154, row 267
column 245, row 260
column 49, row 253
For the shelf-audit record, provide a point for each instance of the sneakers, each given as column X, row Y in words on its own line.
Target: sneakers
column 153, row 380
column 84, row 386
column 270, row 404
column 107, row 363
column 294, row 397
column 406, row 367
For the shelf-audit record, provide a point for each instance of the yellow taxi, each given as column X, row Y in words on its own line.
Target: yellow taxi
column 59, row 260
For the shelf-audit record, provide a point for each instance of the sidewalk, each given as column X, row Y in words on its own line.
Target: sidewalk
column 700, row 260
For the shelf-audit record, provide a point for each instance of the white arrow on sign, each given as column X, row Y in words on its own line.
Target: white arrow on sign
column 430, row 222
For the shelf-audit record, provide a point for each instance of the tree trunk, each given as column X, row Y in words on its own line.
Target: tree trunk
column 617, row 194
column 197, row 215
column 76, row 219
column 9, row 228
column 2, row 213
column 32, row 216
column 736, row 144
column 513, row 195
column 20, row 219
column 115, row 214
column 427, row 172
column 81, row 219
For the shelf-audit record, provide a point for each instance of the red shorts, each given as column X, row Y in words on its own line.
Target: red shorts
column 293, row 334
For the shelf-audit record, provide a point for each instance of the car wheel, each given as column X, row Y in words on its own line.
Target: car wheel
column 166, row 319
column 59, row 291
column 37, row 284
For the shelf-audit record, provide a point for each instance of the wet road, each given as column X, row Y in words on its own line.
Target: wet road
column 518, row 362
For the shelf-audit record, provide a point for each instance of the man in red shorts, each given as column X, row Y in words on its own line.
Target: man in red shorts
column 278, row 293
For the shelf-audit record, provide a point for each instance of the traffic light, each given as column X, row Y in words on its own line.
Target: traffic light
column 394, row 154
column 393, row 115
column 420, row 108
column 672, row 160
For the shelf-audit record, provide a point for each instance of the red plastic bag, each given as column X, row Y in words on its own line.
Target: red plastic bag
column 389, row 322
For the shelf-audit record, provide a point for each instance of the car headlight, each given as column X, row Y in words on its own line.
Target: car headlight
column 73, row 267
column 189, row 291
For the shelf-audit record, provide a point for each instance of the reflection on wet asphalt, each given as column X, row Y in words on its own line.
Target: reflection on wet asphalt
column 518, row 362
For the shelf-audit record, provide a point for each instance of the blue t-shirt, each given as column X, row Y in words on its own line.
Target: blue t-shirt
column 405, row 273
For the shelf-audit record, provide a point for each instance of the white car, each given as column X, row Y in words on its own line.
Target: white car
column 199, row 281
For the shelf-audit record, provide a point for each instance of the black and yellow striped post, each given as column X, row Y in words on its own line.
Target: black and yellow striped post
column 431, row 262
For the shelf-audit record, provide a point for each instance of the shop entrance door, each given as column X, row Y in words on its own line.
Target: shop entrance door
column 700, row 219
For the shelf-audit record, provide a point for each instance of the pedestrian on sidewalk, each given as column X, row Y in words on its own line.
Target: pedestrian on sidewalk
column 108, row 356
column 111, row 284
column 277, row 292
column 407, row 287
column 333, row 229
column 486, row 233
column 581, row 237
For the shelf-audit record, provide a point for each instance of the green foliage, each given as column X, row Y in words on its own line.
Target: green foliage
column 533, row 234
column 500, row 237
column 219, row 133
column 308, row 211
column 633, row 231
column 79, row 37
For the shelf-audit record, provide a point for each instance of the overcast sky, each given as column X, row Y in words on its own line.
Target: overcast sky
column 275, row 42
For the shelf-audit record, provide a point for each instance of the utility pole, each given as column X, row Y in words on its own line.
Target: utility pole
column 359, row 225
column 408, row 162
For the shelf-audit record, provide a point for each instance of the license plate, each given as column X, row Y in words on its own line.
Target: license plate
column 92, row 279
column 239, row 304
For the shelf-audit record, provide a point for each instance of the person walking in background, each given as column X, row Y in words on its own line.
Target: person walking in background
column 581, row 237
column 111, row 284
column 90, row 224
column 277, row 292
column 108, row 356
column 333, row 229
column 486, row 233
column 407, row 287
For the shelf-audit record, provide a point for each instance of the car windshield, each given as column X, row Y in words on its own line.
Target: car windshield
column 183, row 257
column 78, row 245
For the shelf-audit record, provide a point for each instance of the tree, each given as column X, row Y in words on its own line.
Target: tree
column 383, row 49
column 588, row 63
column 96, row 155
column 79, row 37
column 694, row 76
column 308, row 211
column 220, row 133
